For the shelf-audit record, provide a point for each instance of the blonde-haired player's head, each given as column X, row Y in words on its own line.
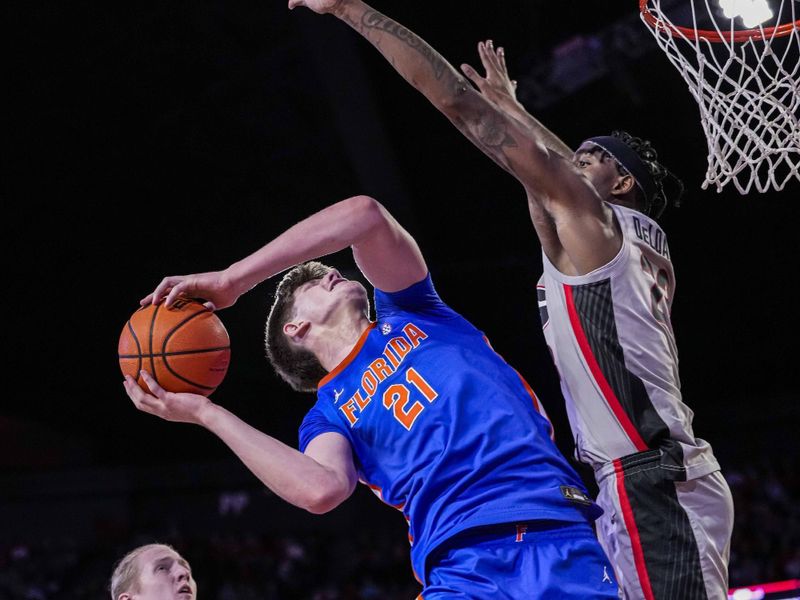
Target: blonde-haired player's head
column 153, row 572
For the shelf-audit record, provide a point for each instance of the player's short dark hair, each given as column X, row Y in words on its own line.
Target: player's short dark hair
column 299, row 367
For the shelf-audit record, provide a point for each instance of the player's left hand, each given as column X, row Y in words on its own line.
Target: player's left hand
column 179, row 408
column 496, row 86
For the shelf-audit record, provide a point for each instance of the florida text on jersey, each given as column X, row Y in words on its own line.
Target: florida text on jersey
column 442, row 428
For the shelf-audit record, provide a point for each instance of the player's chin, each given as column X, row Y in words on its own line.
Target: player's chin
column 351, row 289
column 354, row 293
column 360, row 292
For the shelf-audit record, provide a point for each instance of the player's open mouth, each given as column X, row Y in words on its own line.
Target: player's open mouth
column 185, row 589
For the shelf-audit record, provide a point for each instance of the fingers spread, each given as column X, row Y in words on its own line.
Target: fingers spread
column 484, row 54
column 161, row 288
column 176, row 291
column 132, row 388
column 472, row 74
column 167, row 284
column 142, row 400
column 488, row 57
column 135, row 393
column 501, row 59
column 157, row 390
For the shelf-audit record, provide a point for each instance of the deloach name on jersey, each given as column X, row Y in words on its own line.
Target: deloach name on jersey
column 652, row 236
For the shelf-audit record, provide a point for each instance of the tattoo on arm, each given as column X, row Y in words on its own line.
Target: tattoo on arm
column 372, row 20
column 485, row 126
column 373, row 24
column 490, row 134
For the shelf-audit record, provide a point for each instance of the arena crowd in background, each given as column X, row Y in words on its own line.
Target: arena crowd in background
column 371, row 563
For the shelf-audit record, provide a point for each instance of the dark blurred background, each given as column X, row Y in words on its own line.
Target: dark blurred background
column 175, row 137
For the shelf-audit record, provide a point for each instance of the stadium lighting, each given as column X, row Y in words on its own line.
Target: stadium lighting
column 752, row 12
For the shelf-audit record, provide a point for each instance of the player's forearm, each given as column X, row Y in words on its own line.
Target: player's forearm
column 494, row 131
column 290, row 474
column 516, row 110
column 332, row 229
column 413, row 58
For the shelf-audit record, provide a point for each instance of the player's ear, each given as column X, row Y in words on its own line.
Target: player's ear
column 623, row 185
column 124, row 596
column 296, row 331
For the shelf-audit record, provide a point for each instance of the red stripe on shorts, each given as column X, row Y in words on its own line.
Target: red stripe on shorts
column 633, row 532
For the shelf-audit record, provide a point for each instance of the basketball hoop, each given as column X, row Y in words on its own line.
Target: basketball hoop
column 746, row 83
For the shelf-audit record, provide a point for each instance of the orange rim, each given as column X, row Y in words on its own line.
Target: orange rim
column 710, row 35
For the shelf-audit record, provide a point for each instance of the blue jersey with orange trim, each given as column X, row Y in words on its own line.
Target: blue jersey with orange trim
column 442, row 428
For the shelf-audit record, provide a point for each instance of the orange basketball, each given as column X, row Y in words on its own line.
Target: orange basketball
column 185, row 347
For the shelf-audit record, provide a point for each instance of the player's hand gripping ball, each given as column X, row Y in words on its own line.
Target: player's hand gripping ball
column 185, row 347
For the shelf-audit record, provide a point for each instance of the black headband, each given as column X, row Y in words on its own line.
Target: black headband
column 630, row 160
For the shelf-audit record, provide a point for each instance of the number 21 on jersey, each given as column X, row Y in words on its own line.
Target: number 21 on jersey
column 401, row 398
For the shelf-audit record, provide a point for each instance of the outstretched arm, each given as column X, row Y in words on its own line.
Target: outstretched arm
column 498, row 87
column 425, row 69
column 581, row 234
column 385, row 252
column 317, row 481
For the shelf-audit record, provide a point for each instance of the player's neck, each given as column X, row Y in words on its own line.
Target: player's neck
column 628, row 201
column 331, row 342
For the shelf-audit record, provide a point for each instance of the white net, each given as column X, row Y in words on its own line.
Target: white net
column 745, row 83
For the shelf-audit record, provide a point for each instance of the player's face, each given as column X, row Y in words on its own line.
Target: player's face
column 601, row 172
column 164, row 575
column 320, row 300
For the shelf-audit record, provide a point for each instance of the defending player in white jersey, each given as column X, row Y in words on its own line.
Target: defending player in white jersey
column 607, row 291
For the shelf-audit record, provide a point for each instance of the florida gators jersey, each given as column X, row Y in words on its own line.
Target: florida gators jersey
column 442, row 428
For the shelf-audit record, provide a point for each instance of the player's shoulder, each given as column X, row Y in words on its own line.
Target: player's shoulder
column 419, row 298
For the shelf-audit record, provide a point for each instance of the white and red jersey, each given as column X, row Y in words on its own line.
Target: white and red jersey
column 612, row 341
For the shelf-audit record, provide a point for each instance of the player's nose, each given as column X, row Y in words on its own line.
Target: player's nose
column 330, row 277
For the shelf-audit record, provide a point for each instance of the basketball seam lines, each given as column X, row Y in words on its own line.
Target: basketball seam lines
column 189, row 381
column 152, row 327
column 172, row 331
column 164, row 353
column 138, row 347
column 175, row 353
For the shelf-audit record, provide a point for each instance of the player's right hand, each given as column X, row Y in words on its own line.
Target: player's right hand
column 213, row 287
column 496, row 86
column 318, row 6
column 179, row 408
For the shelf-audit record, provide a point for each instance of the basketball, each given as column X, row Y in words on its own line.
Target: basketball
column 185, row 347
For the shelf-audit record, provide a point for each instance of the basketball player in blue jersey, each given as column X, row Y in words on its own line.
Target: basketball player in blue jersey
column 605, row 296
column 415, row 404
